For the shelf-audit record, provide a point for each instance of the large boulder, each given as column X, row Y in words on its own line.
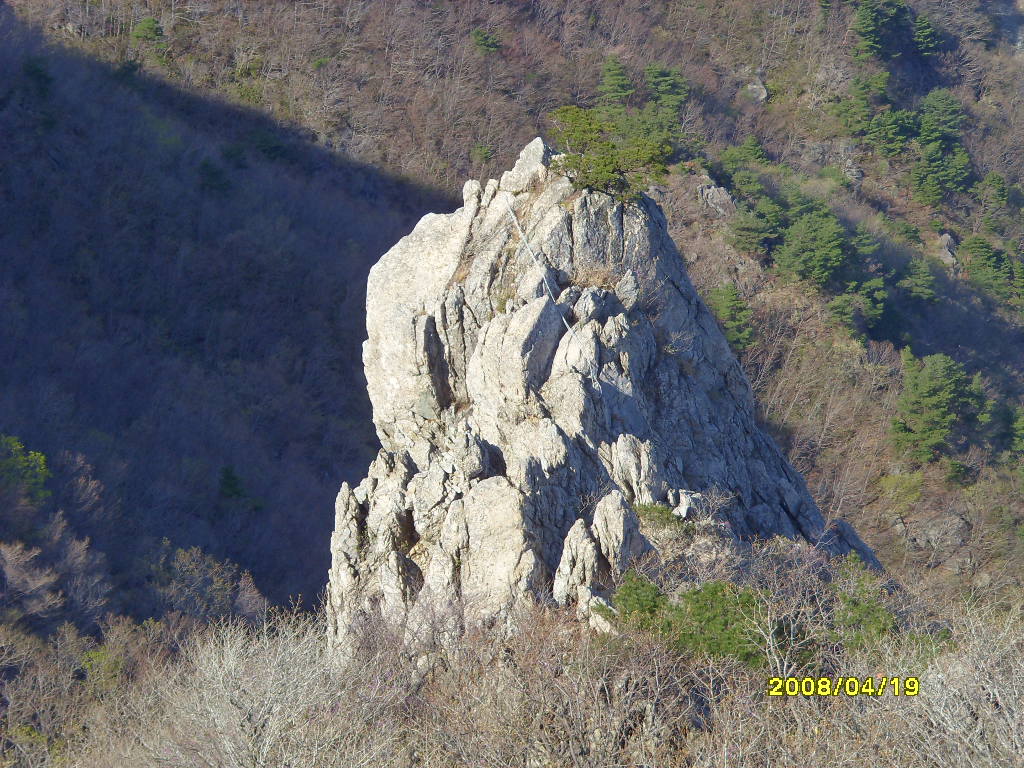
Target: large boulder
column 539, row 365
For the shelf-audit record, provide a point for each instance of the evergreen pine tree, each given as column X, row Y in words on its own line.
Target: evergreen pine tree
column 940, row 173
column 615, row 87
column 891, row 130
column 935, row 396
column 942, row 117
column 733, row 314
column 989, row 269
column 863, row 242
column 754, row 231
column 919, row 281
column 742, row 155
column 813, row 248
column 927, row 39
column 1017, row 444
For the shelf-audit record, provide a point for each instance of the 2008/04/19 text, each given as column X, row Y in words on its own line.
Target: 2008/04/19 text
column 848, row 686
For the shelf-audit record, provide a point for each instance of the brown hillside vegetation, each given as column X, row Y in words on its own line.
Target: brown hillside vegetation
column 438, row 92
column 552, row 694
column 191, row 194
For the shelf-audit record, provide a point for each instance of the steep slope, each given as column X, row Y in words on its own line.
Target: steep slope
column 181, row 284
column 539, row 365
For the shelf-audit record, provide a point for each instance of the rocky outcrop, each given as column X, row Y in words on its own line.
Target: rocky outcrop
column 539, row 365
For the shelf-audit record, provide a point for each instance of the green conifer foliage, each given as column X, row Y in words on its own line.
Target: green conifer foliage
column 601, row 156
column 734, row 315
column 988, row 268
column 936, row 395
column 942, row 117
column 891, row 130
column 867, row 94
column 749, row 153
column 755, row 231
column 667, row 88
column 882, row 27
column 615, row 87
column 1017, row 444
column 813, row 248
column 919, row 281
column 147, row 29
column 927, row 39
column 940, row 173
column 486, row 42
column 26, row 470
column 861, row 305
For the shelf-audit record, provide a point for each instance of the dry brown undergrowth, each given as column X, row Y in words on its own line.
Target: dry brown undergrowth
column 554, row 694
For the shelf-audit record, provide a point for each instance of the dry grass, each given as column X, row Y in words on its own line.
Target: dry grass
column 553, row 694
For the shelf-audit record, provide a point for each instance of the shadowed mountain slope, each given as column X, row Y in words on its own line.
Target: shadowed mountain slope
column 181, row 301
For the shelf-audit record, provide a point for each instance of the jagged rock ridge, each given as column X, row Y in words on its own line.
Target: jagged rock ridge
column 528, row 392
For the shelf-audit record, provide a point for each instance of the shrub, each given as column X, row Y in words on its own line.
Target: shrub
column 1018, row 432
column 861, row 306
column 638, row 598
column 891, row 130
column 883, row 28
column 733, row 314
column 756, row 231
column 600, row 156
column 861, row 619
column 989, row 269
column 148, row 29
column 744, row 155
column 918, row 282
column 716, row 619
column 25, row 469
column 942, row 117
column 867, row 93
column 940, row 173
column 812, row 248
column 936, row 394
column 713, row 619
column 748, row 184
column 927, row 38
column 230, row 484
column 480, row 154
column 615, row 87
column 486, row 42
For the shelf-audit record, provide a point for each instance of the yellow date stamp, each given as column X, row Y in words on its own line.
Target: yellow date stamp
column 843, row 686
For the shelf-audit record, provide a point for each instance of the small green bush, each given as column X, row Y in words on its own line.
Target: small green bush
column 755, row 231
column 148, row 30
column 919, row 281
column 480, row 154
column 230, row 484
column 734, row 315
column 812, row 248
column 486, row 42
column 606, row 156
column 748, row 153
column 25, row 469
column 861, row 620
column 656, row 514
column 713, row 619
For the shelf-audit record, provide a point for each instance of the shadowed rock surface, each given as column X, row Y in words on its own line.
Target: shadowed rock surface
column 538, row 364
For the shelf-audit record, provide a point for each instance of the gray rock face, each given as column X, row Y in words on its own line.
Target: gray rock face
column 538, row 364
column 717, row 199
column 947, row 251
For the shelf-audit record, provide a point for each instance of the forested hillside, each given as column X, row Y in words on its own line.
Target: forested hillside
column 182, row 293
column 192, row 192
column 211, row 179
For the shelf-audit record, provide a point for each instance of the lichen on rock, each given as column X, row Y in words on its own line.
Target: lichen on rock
column 539, row 363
